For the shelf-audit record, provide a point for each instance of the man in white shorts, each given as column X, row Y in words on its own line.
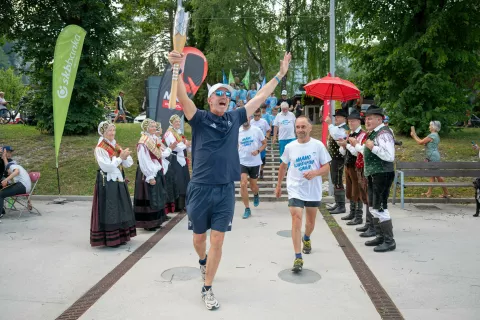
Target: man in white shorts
column 251, row 143
column 309, row 161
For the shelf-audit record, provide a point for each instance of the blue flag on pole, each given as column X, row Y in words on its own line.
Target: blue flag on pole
column 224, row 80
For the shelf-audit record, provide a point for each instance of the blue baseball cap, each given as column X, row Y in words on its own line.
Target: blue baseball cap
column 386, row 119
column 8, row 148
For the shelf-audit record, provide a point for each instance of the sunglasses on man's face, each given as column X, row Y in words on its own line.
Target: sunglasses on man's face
column 220, row 93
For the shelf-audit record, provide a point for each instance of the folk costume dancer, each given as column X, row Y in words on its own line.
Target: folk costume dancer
column 113, row 221
column 348, row 151
column 180, row 164
column 309, row 160
column 337, row 132
column 368, row 229
column 251, row 144
column 150, row 187
column 379, row 157
column 168, row 172
column 216, row 165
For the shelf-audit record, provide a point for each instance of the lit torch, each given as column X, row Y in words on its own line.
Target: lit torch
column 180, row 26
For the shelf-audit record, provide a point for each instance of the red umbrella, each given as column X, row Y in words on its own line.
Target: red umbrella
column 332, row 88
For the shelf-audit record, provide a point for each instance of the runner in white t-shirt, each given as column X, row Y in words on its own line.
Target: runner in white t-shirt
column 309, row 161
column 251, row 142
column 263, row 125
column 284, row 128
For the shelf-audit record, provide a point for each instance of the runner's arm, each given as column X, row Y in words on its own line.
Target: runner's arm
column 189, row 108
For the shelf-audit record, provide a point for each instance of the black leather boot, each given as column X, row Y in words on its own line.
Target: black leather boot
column 388, row 241
column 379, row 235
column 353, row 209
column 358, row 219
column 332, row 206
column 340, row 201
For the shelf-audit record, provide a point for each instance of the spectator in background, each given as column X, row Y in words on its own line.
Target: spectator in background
column 271, row 103
column 3, row 102
column 17, row 180
column 252, row 92
column 385, row 122
column 285, row 99
column 284, row 128
column 432, row 154
column 120, row 108
column 242, row 93
column 264, row 126
column 274, row 115
column 233, row 100
column 298, row 109
column 3, row 164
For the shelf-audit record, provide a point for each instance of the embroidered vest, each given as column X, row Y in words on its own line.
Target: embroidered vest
column 359, row 163
column 350, row 159
column 334, row 148
column 112, row 151
column 151, row 146
column 373, row 164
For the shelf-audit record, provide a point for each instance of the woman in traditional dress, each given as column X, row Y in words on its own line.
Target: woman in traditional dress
column 179, row 165
column 168, row 171
column 113, row 221
column 150, row 193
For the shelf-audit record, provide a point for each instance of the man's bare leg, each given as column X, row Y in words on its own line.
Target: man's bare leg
column 214, row 255
column 311, row 215
column 254, row 186
column 296, row 214
column 200, row 245
column 244, row 190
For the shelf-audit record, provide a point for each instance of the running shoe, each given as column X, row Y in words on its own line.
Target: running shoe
column 307, row 246
column 256, row 200
column 247, row 213
column 209, row 298
column 297, row 265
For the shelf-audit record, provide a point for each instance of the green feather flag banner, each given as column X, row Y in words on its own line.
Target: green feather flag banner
column 246, row 80
column 231, row 79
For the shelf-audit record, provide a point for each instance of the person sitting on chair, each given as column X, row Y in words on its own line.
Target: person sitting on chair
column 17, row 181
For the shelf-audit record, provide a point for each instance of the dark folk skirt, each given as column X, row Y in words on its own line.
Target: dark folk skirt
column 113, row 221
column 182, row 178
column 149, row 201
column 171, row 186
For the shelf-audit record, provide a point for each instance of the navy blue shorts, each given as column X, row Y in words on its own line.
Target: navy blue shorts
column 210, row 206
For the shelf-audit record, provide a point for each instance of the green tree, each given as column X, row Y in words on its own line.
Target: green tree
column 418, row 58
column 36, row 27
column 11, row 84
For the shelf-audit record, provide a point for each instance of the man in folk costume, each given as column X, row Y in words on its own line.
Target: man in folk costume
column 367, row 230
column 379, row 157
column 350, row 154
column 113, row 220
column 150, row 186
column 182, row 175
column 337, row 132
column 168, row 172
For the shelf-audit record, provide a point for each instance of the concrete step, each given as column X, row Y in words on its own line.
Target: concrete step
column 264, row 191
column 264, row 198
column 262, row 184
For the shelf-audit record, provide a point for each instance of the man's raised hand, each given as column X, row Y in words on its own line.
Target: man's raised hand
column 285, row 63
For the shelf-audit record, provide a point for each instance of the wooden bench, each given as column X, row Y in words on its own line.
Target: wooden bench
column 433, row 169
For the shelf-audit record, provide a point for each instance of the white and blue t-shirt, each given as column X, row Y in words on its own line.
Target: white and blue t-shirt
column 286, row 125
column 248, row 141
column 304, row 157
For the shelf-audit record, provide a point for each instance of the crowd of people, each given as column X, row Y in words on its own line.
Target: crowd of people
column 236, row 130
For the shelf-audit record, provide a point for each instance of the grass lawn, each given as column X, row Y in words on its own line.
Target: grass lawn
column 35, row 152
column 77, row 165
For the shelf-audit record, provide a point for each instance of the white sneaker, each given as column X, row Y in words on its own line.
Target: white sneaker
column 210, row 301
column 203, row 271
